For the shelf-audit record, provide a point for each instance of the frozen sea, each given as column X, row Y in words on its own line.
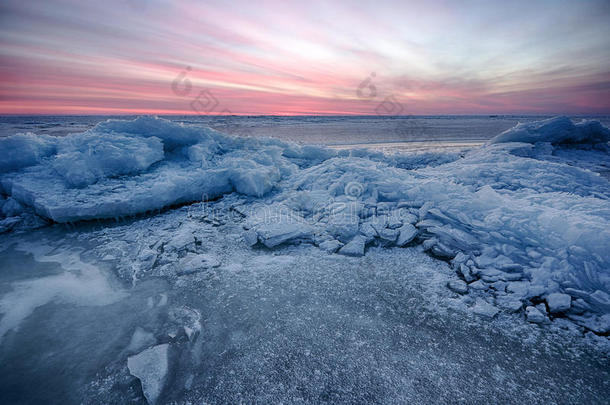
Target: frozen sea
column 266, row 260
column 390, row 131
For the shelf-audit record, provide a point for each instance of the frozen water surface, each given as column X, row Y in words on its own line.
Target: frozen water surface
column 297, row 325
column 441, row 260
column 330, row 130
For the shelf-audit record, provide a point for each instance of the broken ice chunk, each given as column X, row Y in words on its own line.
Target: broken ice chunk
column 423, row 210
column 250, row 178
column 151, row 367
column 343, row 220
column 466, row 273
column 193, row 263
column 388, row 235
column 368, row 231
column 330, row 246
column 355, row 247
column 441, row 250
column 558, row 302
column 428, row 243
column 534, row 315
column 508, row 303
column 146, row 259
column 485, row 309
column 182, row 239
column 250, row 237
column 518, row 288
column 406, row 234
column 408, row 218
column 459, row 258
column 274, row 234
column 458, row 286
column 394, row 221
column 478, row 285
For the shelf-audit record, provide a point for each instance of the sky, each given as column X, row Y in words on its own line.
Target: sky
column 304, row 57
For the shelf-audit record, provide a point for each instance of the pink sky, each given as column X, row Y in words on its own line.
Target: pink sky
column 280, row 57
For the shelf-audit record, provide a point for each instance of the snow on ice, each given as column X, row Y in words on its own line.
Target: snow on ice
column 524, row 220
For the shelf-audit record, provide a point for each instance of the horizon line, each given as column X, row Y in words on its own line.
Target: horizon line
column 308, row 115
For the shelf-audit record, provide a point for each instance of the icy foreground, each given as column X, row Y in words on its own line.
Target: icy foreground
column 523, row 220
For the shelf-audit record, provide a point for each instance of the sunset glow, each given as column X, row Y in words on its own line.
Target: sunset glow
column 291, row 58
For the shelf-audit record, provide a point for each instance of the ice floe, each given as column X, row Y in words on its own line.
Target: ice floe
column 151, row 367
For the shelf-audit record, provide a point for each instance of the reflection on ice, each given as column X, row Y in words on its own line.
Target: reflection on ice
column 87, row 288
column 80, row 284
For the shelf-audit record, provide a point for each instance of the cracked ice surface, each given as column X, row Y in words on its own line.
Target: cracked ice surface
column 293, row 325
column 315, row 275
column 525, row 208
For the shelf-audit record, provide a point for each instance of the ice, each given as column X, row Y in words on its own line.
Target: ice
column 521, row 218
column 193, row 263
column 355, row 247
column 274, row 234
column 173, row 135
column 556, row 131
column 292, row 307
column 485, row 309
column 368, row 231
column 121, row 168
column 250, row 237
column 278, row 224
column 188, row 319
column 151, row 367
column 458, row 286
column 331, row 246
column 23, row 150
column 9, row 223
column 509, row 304
column 81, row 284
column 534, row 315
column 558, row 302
column 11, row 207
column 251, row 178
column 85, row 159
column 343, row 220
column 181, row 239
column 387, row 235
column 140, row 340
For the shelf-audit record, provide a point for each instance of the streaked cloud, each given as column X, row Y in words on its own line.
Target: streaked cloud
column 272, row 57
